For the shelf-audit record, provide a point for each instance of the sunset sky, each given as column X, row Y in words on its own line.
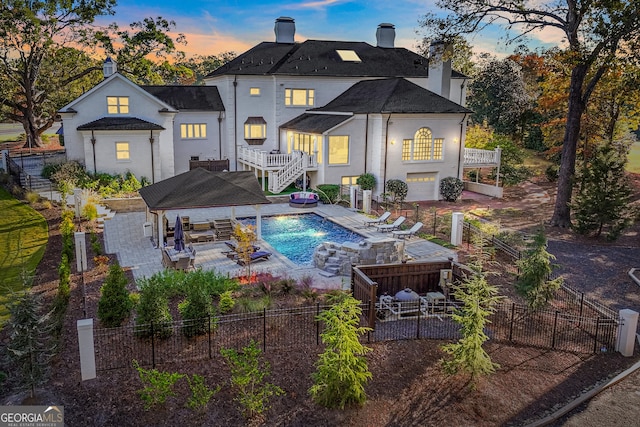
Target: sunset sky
column 213, row 27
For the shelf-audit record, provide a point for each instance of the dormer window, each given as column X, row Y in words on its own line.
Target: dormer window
column 348, row 55
column 118, row 104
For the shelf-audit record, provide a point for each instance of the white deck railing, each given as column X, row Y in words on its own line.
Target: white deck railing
column 476, row 157
column 272, row 161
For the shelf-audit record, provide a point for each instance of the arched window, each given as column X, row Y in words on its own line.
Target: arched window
column 422, row 147
column 422, row 144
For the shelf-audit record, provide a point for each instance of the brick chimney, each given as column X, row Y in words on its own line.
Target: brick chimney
column 285, row 30
column 386, row 35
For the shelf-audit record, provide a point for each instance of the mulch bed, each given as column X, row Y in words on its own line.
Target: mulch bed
column 408, row 387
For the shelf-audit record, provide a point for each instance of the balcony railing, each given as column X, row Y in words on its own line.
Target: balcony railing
column 474, row 157
column 272, row 161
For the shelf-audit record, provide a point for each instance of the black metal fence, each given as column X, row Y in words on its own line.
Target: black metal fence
column 298, row 328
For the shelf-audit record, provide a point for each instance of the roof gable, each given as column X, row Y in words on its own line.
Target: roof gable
column 71, row 107
column 395, row 95
column 315, row 123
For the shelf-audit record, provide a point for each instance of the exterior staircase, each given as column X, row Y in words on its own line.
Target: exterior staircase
column 223, row 228
column 279, row 180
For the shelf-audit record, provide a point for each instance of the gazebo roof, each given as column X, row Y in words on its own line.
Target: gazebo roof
column 200, row 188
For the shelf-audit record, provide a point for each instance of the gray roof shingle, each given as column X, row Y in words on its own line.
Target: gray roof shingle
column 319, row 57
column 395, row 95
column 120, row 123
column 199, row 188
column 188, row 98
column 315, row 123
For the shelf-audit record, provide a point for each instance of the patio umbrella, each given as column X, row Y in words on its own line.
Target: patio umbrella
column 178, row 235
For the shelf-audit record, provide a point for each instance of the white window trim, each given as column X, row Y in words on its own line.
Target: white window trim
column 288, row 100
column 348, row 162
column 118, row 105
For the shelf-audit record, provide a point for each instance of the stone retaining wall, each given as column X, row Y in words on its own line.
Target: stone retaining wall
column 338, row 258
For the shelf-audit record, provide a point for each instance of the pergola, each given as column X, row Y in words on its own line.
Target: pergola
column 200, row 188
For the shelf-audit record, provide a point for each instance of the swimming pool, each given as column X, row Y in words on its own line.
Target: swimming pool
column 296, row 236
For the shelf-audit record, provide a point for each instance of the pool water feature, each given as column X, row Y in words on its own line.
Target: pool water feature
column 297, row 236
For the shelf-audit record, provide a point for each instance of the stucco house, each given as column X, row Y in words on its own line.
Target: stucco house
column 323, row 110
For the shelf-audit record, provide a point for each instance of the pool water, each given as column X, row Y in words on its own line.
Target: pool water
column 297, row 236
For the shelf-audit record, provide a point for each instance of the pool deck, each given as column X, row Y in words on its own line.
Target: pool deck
column 123, row 235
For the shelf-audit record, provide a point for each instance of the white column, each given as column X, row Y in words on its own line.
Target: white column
column 160, row 229
column 87, row 350
column 627, row 332
column 81, row 251
column 258, row 223
column 457, row 219
column 233, row 212
column 366, row 201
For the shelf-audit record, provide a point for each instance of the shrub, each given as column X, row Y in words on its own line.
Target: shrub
column 158, row 385
column 114, row 305
column 366, row 181
column 248, row 376
column 32, row 197
column 397, row 190
column 226, row 303
column 195, row 311
column 90, row 212
column 551, row 172
column 153, row 312
column 200, row 393
column 329, row 193
column 451, row 188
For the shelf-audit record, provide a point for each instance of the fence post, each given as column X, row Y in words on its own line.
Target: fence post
column 595, row 338
column 555, row 326
column 264, row 330
column 87, row 349
column 317, row 323
column 581, row 303
column 626, row 339
column 513, row 314
column 418, row 325
column 209, row 336
column 153, row 346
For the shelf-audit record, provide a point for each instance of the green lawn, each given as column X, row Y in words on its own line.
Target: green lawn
column 23, row 238
column 634, row 158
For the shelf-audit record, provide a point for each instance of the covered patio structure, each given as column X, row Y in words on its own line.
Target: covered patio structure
column 199, row 188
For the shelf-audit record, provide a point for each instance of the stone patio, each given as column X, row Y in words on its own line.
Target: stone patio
column 124, row 236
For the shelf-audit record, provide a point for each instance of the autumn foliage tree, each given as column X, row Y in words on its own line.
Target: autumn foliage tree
column 596, row 33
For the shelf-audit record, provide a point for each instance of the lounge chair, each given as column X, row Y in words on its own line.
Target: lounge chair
column 401, row 234
column 256, row 256
column 377, row 221
column 390, row 227
column 233, row 249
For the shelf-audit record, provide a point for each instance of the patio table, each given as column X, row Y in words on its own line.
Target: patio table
column 175, row 255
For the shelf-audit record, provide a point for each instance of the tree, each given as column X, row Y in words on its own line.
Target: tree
column 535, row 267
column 498, row 96
column 478, row 299
column 114, row 305
column 341, row 370
column 38, row 64
column 397, row 190
column 201, row 65
column 596, row 32
column 28, row 346
column 461, row 54
column 605, row 193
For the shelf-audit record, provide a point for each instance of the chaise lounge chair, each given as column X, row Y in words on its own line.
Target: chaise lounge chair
column 256, row 256
column 390, row 227
column 401, row 234
column 377, row 221
column 233, row 249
